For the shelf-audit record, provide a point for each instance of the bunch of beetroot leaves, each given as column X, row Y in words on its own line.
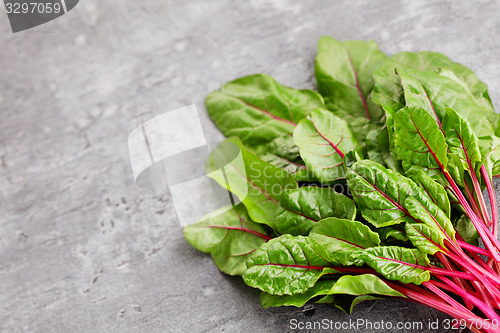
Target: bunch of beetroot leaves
column 370, row 188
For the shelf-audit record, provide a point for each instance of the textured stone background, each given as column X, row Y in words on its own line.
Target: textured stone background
column 82, row 248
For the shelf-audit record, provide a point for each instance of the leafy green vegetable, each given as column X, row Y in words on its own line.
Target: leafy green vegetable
column 429, row 130
column 344, row 239
column 321, row 288
column 344, row 75
column 323, row 140
column 258, row 184
column 303, row 208
column 229, row 235
column 257, row 109
column 362, row 285
column 398, row 263
column 288, row 265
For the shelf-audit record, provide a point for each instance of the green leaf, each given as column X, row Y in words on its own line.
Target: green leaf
column 434, row 190
column 229, row 235
column 379, row 193
column 385, row 150
column 466, row 229
column 421, row 207
column 432, row 81
column 391, row 234
column 373, row 147
column 305, row 206
column 288, row 265
column 344, row 75
column 490, row 150
column 258, row 184
column 323, row 140
column 425, row 238
column 343, row 239
column 398, row 263
column 319, row 289
column 362, row 285
column 360, row 126
column 462, row 141
column 284, row 153
column 257, row 109
column 419, row 141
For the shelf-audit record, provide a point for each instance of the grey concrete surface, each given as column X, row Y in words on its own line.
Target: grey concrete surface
column 82, row 248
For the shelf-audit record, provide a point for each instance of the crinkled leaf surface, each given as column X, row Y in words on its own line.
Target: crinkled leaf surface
column 284, row 153
column 343, row 239
column 257, row 109
column 305, row 206
column 434, row 190
column 425, row 238
column 288, row 265
column 379, row 193
column 344, row 75
column 432, row 81
column 229, row 235
column 321, row 287
column 323, row 140
column 398, row 263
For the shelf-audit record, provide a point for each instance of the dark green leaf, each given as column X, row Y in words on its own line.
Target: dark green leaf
column 398, row 263
column 257, row 109
column 343, row 239
column 288, row 265
column 304, row 207
column 379, row 193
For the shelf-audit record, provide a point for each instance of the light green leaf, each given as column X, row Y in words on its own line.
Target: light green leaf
column 344, row 75
column 398, row 263
column 323, row 140
column 258, row 184
column 229, row 235
column 362, row 285
column 257, row 109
